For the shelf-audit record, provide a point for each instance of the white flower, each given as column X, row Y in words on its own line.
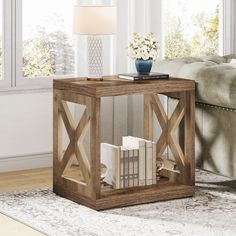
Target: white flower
column 145, row 56
column 143, row 47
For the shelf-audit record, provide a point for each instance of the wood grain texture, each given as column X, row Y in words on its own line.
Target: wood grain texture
column 189, row 137
column 143, row 195
column 62, row 162
column 26, row 179
column 40, row 178
column 148, row 118
column 184, row 112
column 95, row 137
column 114, row 86
column 87, row 188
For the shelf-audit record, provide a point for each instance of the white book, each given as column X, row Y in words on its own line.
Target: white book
column 123, row 165
column 136, row 171
column 111, row 157
column 126, row 168
column 137, row 143
column 131, row 167
column 154, row 158
column 122, row 168
column 149, row 160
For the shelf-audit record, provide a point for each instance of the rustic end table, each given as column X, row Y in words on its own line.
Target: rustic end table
column 83, row 185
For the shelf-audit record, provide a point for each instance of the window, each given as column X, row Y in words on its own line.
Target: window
column 191, row 28
column 47, row 43
column 1, row 46
column 36, row 42
column 5, row 43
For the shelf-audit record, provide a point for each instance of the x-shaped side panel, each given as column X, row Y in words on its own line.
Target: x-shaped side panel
column 76, row 136
column 169, row 126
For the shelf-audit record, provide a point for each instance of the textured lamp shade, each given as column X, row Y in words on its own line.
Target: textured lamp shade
column 95, row 20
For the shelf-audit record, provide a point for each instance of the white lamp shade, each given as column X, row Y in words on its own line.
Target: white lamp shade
column 95, row 20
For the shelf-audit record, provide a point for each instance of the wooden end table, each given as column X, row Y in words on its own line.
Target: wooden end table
column 84, row 186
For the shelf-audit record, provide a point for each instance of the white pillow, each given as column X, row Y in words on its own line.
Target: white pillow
column 232, row 64
column 233, row 61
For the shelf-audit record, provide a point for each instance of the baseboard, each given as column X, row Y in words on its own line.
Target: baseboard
column 25, row 162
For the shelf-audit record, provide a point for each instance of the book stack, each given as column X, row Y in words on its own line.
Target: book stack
column 148, row 76
column 132, row 164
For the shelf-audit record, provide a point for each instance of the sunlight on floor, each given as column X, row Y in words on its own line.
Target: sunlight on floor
column 10, row 227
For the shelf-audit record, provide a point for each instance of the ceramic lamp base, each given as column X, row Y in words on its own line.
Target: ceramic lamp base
column 95, row 60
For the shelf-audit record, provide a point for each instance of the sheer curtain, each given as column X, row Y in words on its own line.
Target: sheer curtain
column 228, row 27
column 141, row 16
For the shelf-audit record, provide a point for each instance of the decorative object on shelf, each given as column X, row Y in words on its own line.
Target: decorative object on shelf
column 95, row 21
column 130, row 165
column 144, row 49
column 103, row 172
column 159, row 167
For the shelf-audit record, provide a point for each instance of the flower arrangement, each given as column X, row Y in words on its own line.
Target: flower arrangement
column 143, row 47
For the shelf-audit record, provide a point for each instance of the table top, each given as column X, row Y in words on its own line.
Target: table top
column 114, row 86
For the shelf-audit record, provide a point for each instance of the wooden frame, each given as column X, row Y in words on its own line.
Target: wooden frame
column 88, row 190
column 5, row 82
column 184, row 110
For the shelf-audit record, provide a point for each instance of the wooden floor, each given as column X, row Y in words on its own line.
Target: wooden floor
column 22, row 180
column 27, row 179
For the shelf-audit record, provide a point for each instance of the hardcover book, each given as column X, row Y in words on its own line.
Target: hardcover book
column 131, row 168
column 147, row 158
column 122, row 165
column 126, row 168
column 111, row 157
column 154, row 156
column 135, row 165
column 149, row 76
column 149, row 162
column 137, row 143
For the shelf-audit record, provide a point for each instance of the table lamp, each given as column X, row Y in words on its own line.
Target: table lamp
column 95, row 21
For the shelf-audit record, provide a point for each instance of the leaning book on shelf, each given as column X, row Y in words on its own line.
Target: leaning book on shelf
column 122, row 165
column 111, row 157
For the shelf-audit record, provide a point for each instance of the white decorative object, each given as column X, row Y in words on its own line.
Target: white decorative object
column 94, row 21
column 143, row 47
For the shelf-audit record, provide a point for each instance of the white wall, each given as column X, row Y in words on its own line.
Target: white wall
column 26, row 119
column 25, row 130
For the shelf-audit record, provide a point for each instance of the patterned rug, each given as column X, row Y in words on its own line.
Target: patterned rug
column 211, row 212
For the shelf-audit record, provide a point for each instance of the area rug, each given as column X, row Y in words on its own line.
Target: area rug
column 211, row 212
